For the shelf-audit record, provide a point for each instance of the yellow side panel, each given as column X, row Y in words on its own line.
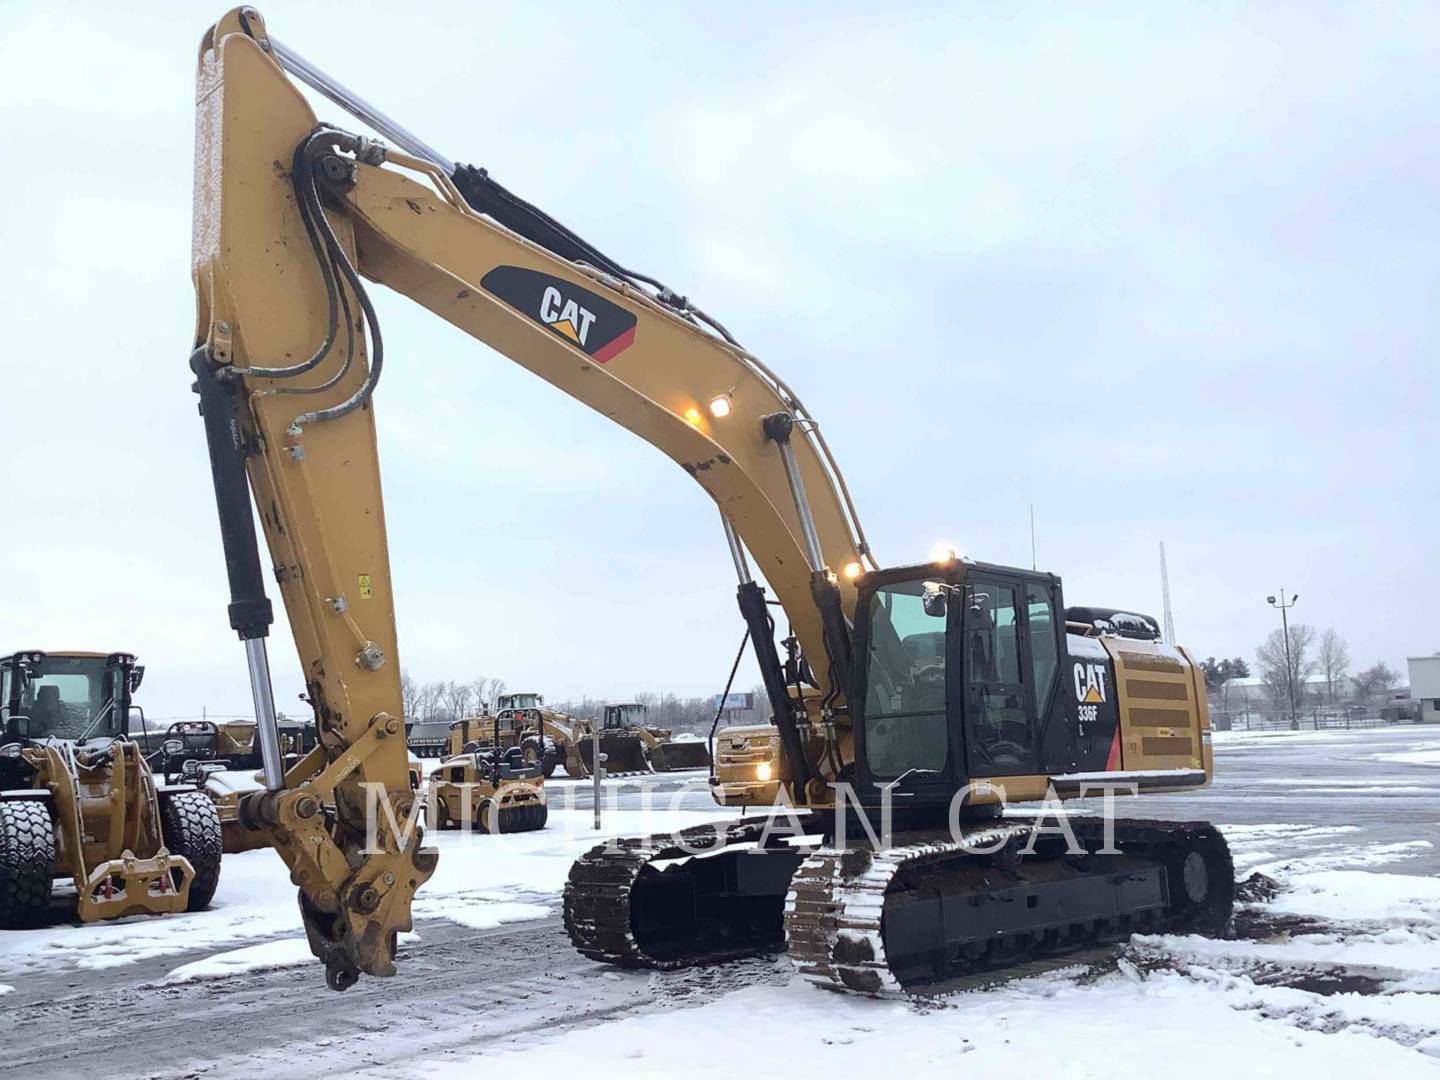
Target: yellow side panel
column 1162, row 713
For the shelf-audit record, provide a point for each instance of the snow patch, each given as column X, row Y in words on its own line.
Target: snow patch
column 1056, row 1025
column 1394, row 955
column 287, row 952
column 1412, row 757
column 1347, row 857
column 481, row 882
column 1353, row 896
column 479, row 911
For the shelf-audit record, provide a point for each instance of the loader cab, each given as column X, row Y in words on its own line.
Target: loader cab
column 623, row 715
column 956, row 678
column 520, row 701
column 73, row 696
column 517, row 714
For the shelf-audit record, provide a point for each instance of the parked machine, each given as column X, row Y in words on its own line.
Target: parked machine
column 78, row 800
column 190, row 754
column 492, row 786
column 662, row 751
column 916, row 688
column 548, row 737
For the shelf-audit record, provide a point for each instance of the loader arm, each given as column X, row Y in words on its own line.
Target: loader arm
column 289, row 218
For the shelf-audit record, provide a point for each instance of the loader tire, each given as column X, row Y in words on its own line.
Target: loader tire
column 192, row 828
column 27, row 859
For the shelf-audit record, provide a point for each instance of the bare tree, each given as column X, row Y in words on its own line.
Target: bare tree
column 1334, row 660
column 1375, row 682
column 486, row 692
column 480, row 690
column 431, row 702
column 1282, row 681
column 495, row 689
column 409, row 696
column 457, row 697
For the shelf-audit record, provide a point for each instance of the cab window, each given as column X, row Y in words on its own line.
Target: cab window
column 1040, row 634
column 992, row 636
column 905, row 724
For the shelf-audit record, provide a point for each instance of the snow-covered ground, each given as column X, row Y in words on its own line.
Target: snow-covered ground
column 1413, row 757
column 481, row 881
column 1337, row 975
column 1173, row 1006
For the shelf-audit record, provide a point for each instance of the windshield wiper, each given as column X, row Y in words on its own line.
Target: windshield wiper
column 104, row 712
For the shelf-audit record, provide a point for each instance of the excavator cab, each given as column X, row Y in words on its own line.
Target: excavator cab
column 967, row 673
column 958, row 670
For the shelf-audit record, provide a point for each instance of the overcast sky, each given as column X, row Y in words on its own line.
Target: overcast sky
column 1167, row 272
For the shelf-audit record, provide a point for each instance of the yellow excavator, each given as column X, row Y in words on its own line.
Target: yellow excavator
column 914, row 692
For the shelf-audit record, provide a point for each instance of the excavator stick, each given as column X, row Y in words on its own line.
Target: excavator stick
column 624, row 753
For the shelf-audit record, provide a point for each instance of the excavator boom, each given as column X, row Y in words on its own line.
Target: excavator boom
column 292, row 218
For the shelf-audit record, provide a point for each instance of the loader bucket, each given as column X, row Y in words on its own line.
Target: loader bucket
column 674, row 756
column 624, row 753
column 574, row 764
column 134, row 886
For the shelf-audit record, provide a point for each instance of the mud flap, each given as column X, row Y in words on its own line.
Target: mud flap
column 134, row 886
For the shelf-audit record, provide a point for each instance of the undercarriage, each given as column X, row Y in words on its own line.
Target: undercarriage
column 903, row 919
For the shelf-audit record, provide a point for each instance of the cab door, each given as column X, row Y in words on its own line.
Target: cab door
column 1001, row 732
column 903, row 697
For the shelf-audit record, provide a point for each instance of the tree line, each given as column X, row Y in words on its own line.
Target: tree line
column 447, row 700
column 1317, row 666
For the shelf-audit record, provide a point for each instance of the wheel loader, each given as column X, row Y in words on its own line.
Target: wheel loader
column 662, row 751
column 924, row 693
column 78, row 800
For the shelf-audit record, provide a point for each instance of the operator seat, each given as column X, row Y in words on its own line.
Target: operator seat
column 48, row 712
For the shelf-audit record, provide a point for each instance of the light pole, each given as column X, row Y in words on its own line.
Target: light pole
column 1285, row 630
